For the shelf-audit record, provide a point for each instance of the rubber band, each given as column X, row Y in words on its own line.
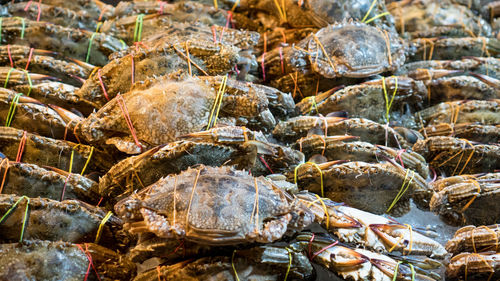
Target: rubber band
column 12, row 109
column 88, row 160
column 29, row 58
column 377, row 16
column 23, row 26
column 138, row 28
column 90, row 47
column 394, row 277
column 101, row 225
column 8, row 77
column 388, row 104
column 20, row 149
column 402, row 190
column 5, row 160
column 317, row 167
column 25, row 214
column 217, row 103
column 29, row 82
column 289, row 263
column 103, row 87
column 234, row 269
column 369, row 10
column 126, row 116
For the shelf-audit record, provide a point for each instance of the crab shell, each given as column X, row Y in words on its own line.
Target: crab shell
column 474, row 266
column 353, row 49
column 485, row 112
column 162, row 110
column 215, row 206
column 472, row 238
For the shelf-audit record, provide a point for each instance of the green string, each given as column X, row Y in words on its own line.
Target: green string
column 124, row 45
column 90, row 47
column 12, row 109
column 1, row 21
column 24, row 26
column 25, row 214
column 394, row 277
column 8, row 76
column 138, row 28
column 369, row 10
column 29, row 82
column 388, row 104
column 403, row 189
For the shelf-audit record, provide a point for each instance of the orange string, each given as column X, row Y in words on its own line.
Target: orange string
column 20, row 149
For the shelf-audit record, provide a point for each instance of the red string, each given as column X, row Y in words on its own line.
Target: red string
column 101, row 14
column 214, row 34
column 64, row 187
column 324, row 249
column 263, row 58
column 10, row 56
column 398, row 157
column 133, row 67
column 102, row 84
column 99, row 203
column 162, row 4
column 29, row 59
column 310, row 246
column 39, row 9
column 91, row 263
column 265, row 163
column 126, row 115
column 434, row 175
column 20, row 149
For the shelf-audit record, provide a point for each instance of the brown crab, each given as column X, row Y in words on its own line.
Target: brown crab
column 294, row 128
column 197, row 205
column 163, row 109
column 340, row 148
column 68, row 221
column 53, row 261
column 475, row 239
column 368, row 101
column 69, row 42
column 474, row 266
column 45, row 151
column 374, row 187
column 453, row 48
column 470, row 131
column 48, row 182
column 485, row 112
column 69, row 71
column 348, row 49
column 467, row 199
column 455, row 156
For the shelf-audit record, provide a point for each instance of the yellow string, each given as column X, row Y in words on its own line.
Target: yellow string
column 289, row 262
column 320, row 173
column 234, row 269
column 388, row 104
column 394, row 277
column 376, row 17
column 25, row 214
column 369, row 10
column 88, row 160
column 402, row 190
column 217, row 103
column 216, row 5
column 101, row 225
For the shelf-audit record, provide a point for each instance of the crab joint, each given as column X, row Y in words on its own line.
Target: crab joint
column 320, row 173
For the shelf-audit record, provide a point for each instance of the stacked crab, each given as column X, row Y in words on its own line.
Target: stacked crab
column 181, row 119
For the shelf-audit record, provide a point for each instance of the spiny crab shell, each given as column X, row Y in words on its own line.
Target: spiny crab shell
column 215, row 206
column 353, row 49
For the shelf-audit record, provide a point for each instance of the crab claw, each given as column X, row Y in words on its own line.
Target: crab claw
column 490, row 81
column 44, row 52
column 426, row 74
column 345, row 257
column 65, row 114
column 25, row 99
column 387, row 235
column 81, row 63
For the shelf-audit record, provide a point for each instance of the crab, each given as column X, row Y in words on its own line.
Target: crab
column 120, row 74
column 94, row 8
column 480, row 65
column 369, row 186
column 258, row 263
column 359, row 264
column 70, row 71
column 428, row 18
column 377, row 233
column 294, row 128
column 453, row 48
column 474, row 266
column 54, row 14
column 467, row 199
column 485, row 112
column 472, row 238
column 470, row 131
column 344, row 50
column 48, row 182
column 367, row 100
column 45, row 151
column 454, row 156
column 341, row 148
column 206, row 211
column 69, row 42
column 163, row 109
column 52, row 261
column 68, row 221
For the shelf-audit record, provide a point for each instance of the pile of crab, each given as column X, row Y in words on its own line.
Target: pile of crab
column 250, row 140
